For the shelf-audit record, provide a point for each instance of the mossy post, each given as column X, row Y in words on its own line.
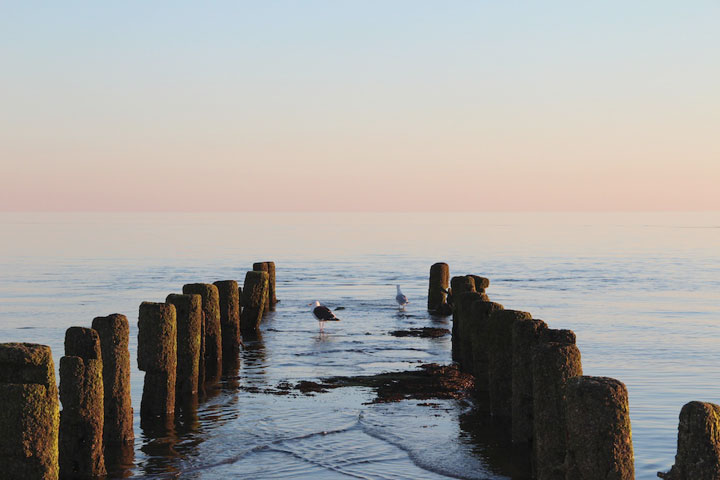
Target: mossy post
column 213, row 330
column 114, row 332
column 29, row 412
column 82, row 417
column 553, row 365
column 698, row 444
column 229, row 319
column 599, row 437
column 500, row 359
column 188, row 314
column 458, row 286
column 157, row 357
column 526, row 334
column 478, row 324
column 268, row 267
column 463, row 309
column 439, row 283
column 255, row 290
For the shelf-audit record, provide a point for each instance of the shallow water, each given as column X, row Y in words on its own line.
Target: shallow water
column 640, row 291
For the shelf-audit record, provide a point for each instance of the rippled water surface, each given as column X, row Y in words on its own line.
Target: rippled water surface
column 640, row 291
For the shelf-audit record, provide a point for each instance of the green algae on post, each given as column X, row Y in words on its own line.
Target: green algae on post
column 188, row 314
column 157, row 357
column 29, row 412
column 212, row 343
column 255, row 291
column 114, row 333
column 229, row 318
column 599, row 437
column 698, row 443
column 438, row 285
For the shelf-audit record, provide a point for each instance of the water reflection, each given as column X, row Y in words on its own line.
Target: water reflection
column 119, row 459
column 490, row 439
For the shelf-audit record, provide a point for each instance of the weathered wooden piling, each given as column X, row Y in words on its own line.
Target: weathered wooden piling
column 462, row 323
column 500, row 359
column 599, row 437
column 437, row 290
column 698, row 444
column 114, row 332
column 268, row 267
column 481, row 283
column 82, row 396
column 189, row 315
column 157, row 357
column 212, row 343
column 458, row 285
column 255, row 291
column 229, row 319
column 526, row 334
column 478, row 323
column 29, row 412
column 553, row 365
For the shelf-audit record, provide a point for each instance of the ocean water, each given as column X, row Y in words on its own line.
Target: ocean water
column 640, row 290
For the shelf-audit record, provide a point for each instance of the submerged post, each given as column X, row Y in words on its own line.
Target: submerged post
column 157, row 357
column 188, row 314
column 212, row 343
column 114, row 331
column 698, row 444
column 553, row 365
column 255, row 290
column 526, row 334
column 437, row 290
column 29, row 412
column 82, row 417
column 500, row 359
column 229, row 318
column 599, row 437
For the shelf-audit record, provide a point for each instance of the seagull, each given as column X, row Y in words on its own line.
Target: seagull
column 322, row 313
column 401, row 299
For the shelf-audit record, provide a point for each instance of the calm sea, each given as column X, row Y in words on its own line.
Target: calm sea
column 640, row 290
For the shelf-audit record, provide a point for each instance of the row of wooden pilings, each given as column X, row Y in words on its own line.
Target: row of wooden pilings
column 184, row 344
column 576, row 427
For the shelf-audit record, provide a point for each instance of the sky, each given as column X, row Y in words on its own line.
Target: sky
column 393, row 105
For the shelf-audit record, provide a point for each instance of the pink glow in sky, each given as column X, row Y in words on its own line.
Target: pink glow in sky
column 360, row 106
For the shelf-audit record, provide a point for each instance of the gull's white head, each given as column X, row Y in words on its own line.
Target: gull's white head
column 398, row 288
column 314, row 304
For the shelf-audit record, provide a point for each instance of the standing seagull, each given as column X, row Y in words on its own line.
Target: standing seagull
column 323, row 314
column 401, row 299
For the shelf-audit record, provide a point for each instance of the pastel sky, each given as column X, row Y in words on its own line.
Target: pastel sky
column 359, row 105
